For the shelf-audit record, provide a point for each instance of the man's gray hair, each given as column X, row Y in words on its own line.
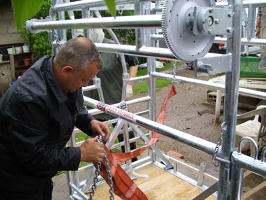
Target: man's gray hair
column 79, row 53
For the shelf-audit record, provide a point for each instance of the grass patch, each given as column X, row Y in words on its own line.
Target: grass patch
column 142, row 87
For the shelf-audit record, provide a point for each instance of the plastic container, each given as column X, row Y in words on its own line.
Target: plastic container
column 25, row 48
column 18, row 50
column 11, row 51
column 249, row 67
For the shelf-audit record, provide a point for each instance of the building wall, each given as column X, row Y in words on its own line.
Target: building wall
column 263, row 29
column 8, row 31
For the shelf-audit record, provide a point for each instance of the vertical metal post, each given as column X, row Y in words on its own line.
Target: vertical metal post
column 231, row 101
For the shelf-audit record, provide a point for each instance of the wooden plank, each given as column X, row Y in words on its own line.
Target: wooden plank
column 253, row 190
column 159, row 185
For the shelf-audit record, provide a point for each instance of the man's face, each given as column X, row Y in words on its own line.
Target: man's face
column 80, row 78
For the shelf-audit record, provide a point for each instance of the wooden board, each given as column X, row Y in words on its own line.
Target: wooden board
column 160, row 185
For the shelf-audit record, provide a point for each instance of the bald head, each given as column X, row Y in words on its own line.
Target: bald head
column 78, row 52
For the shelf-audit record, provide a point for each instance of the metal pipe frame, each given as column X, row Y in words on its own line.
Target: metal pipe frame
column 231, row 102
column 131, row 22
column 244, row 41
column 78, row 5
column 231, row 163
column 193, row 141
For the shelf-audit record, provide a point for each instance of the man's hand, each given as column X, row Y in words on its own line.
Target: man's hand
column 100, row 128
column 91, row 151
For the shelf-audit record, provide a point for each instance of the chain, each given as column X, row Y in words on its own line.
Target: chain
column 110, row 178
column 95, row 180
column 174, row 72
column 97, row 172
column 214, row 158
column 57, row 41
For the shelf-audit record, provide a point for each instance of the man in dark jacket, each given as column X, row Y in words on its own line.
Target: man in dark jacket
column 37, row 117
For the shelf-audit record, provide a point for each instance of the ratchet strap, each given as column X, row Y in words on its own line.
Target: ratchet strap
column 123, row 186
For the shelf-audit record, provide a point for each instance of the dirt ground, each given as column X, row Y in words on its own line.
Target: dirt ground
column 187, row 111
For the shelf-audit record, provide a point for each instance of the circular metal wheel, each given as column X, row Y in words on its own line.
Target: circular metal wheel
column 177, row 28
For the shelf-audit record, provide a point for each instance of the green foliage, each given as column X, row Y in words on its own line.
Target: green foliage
column 111, row 5
column 24, row 10
column 38, row 43
column 125, row 36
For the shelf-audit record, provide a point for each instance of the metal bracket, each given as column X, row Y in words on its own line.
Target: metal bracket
column 213, row 64
column 212, row 21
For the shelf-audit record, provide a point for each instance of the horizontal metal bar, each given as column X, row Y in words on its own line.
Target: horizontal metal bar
column 193, row 141
column 77, row 5
column 129, row 102
column 121, row 22
column 131, row 50
column 246, row 3
column 249, row 163
column 244, row 41
column 217, row 86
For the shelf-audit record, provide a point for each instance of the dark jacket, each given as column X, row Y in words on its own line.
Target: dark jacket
column 36, row 121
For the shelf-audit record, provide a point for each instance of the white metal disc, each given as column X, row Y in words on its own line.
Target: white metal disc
column 178, row 31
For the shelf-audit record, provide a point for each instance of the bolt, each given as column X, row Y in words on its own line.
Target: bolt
column 228, row 29
column 209, row 31
column 216, row 21
column 229, row 15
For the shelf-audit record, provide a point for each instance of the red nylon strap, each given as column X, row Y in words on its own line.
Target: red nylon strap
column 123, row 186
column 122, row 157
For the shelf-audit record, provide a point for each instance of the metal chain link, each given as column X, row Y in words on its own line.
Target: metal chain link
column 95, row 180
column 57, row 41
column 97, row 172
column 174, row 72
column 214, row 158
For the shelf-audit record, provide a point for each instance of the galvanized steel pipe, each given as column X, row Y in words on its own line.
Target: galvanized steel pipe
column 124, row 22
column 193, row 141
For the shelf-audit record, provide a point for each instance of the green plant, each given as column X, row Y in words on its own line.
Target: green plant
column 39, row 42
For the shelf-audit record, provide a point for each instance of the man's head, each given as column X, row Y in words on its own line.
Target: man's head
column 76, row 62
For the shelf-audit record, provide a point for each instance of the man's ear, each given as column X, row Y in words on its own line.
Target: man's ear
column 67, row 69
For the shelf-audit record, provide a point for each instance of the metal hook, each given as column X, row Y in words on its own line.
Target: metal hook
column 263, row 154
column 252, row 141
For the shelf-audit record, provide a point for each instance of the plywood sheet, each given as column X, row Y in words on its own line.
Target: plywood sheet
column 160, row 185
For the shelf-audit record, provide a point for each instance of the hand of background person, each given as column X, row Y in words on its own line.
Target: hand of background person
column 100, row 128
column 129, row 91
column 91, row 150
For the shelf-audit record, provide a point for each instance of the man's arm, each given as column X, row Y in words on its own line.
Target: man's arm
column 133, row 69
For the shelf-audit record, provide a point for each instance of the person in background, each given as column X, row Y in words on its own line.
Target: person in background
column 112, row 80
column 37, row 117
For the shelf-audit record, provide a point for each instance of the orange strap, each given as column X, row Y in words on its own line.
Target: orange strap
column 122, row 157
column 123, row 186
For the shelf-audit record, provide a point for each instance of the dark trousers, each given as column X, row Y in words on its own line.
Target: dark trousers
column 43, row 192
